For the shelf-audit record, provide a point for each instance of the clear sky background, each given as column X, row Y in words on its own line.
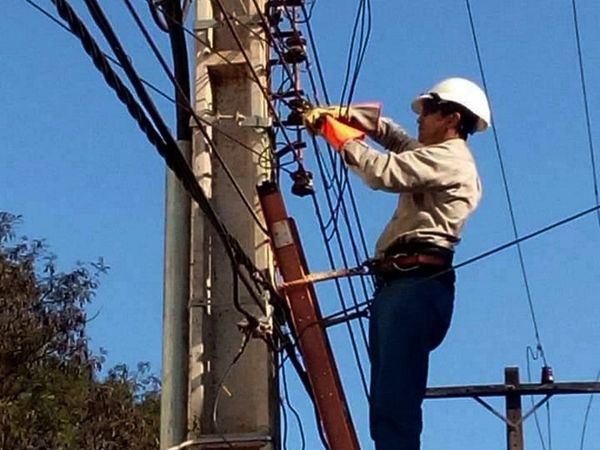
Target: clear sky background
column 77, row 169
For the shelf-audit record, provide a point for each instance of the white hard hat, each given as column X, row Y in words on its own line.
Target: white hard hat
column 463, row 92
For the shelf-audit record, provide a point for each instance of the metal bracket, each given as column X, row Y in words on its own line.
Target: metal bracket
column 206, row 24
column 501, row 416
column 199, row 302
column 226, row 441
column 240, row 119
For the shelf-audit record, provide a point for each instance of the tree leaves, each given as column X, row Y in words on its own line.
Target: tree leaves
column 51, row 394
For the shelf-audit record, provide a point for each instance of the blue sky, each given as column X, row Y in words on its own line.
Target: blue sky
column 82, row 176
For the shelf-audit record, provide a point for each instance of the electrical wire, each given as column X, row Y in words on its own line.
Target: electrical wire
column 361, row 370
column 250, row 66
column 496, row 249
column 170, row 152
column 532, row 312
column 221, row 386
column 158, row 91
column 363, row 14
column 531, row 355
column 587, row 415
column 588, row 122
column 167, row 149
column 336, row 232
column 321, row 77
column 107, row 56
column 365, row 37
column 294, row 411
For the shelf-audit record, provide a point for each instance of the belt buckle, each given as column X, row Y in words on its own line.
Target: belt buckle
column 402, row 269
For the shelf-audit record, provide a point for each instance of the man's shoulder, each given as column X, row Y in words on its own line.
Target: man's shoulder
column 451, row 147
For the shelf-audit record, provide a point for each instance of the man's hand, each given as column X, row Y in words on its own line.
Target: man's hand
column 338, row 133
column 313, row 118
column 364, row 117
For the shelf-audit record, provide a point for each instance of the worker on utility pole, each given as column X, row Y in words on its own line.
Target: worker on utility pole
column 436, row 177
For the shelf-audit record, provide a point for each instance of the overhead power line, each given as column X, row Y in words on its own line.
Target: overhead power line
column 159, row 91
column 175, row 161
column 495, row 250
column 362, row 27
column 588, row 122
column 167, row 148
column 184, row 99
column 513, row 220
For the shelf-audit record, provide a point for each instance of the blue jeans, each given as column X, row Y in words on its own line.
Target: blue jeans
column 410, row 316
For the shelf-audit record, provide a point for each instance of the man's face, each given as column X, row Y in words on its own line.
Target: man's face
column 432, row 127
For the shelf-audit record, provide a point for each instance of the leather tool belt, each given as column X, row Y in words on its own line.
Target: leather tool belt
column 405, row 263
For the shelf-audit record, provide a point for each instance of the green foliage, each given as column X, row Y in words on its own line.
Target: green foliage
column 51, row 395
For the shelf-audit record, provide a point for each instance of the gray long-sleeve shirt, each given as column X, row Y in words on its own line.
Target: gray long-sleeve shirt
column 438, row 184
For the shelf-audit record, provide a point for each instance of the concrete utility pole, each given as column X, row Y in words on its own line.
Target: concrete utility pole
column 229, row 405
column 173, row 416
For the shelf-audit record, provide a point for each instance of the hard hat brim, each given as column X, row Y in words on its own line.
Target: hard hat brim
column 417, row 107
column 417, row 103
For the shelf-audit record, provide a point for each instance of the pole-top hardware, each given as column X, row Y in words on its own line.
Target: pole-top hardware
column 547, row 375
column 297, row 107
column 296, row 52
column 206, row 24
column 261, row 330
column 241, row 120
column 303, row 182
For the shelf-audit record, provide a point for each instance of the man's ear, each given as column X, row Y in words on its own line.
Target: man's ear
column 453, row 120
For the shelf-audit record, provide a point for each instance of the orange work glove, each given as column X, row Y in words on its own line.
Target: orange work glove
column 338, row 133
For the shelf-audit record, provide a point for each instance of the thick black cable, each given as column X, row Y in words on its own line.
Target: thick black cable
column 588, row 122
column 175, row 161
column 221, row 386
column 361, row 370
column 160, row 22
column 540, row 347
column 169, row 151
column 181, row 72
column 183, row 99
column 335, row 231
column 156, row 89
column 337, row 234
column 104, row 25
column 107, row 56
column 338, row 286
column 313, row 46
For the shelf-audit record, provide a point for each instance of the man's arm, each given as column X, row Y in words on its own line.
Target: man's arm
column 367, row 118
column 392, row 136
column 424, row 168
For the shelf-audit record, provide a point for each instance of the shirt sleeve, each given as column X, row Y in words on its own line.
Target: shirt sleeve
column 393, row 137
column 424, row 168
